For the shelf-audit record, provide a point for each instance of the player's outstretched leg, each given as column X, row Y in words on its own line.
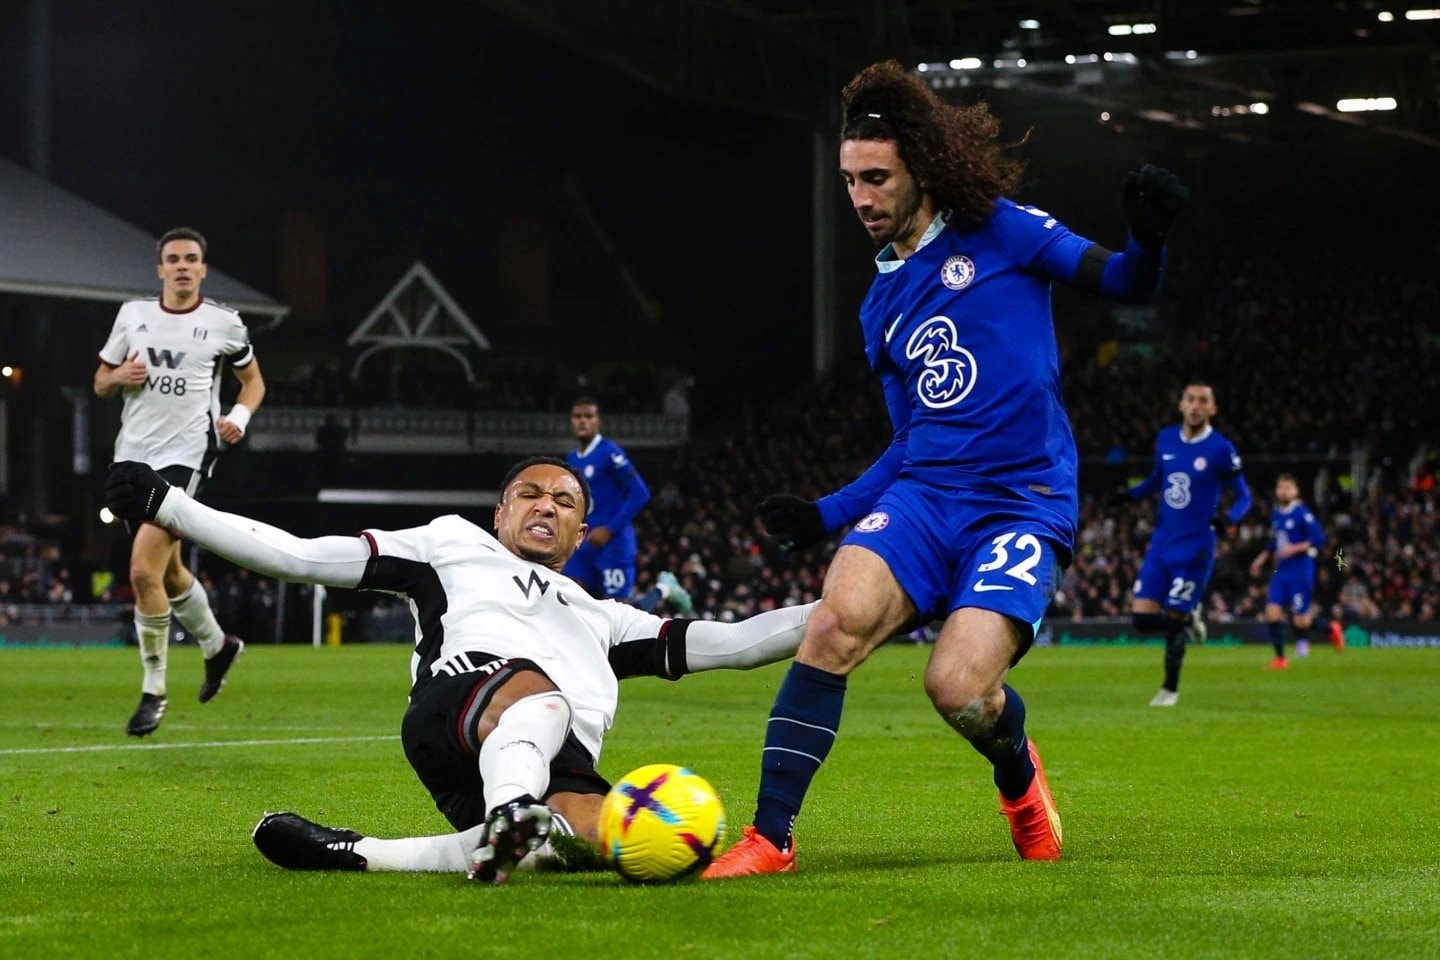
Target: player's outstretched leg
column 511, row 832
column 289, row 840
column 802, row 728
column 218, row 666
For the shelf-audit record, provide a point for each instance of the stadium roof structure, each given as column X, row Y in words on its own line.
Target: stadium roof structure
column 417, row 313
column 55, row 244
column 1370, row 67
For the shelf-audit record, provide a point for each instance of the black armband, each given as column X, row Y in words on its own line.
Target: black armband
column 1092, row 267
column 661, row 656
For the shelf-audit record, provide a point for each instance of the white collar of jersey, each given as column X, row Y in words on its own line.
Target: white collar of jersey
column 1199, row 436
column 1287, row 510
column 886, row 261
column 590, row 447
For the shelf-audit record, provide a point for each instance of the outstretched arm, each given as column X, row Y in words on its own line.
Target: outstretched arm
column 693, row 646
column 135, row 492
column 1151, row 199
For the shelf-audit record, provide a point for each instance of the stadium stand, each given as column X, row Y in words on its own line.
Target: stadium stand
column 1304, row 360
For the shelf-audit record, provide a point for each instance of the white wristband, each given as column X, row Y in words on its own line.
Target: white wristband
column 239, row 416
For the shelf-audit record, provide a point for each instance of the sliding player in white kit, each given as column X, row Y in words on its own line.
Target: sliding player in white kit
column 515, row 666
column 164, row 357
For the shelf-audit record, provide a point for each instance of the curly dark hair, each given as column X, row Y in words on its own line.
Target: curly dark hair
column 953, row 151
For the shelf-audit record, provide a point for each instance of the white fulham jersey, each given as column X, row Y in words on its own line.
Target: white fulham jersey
column 170, row 419
column 468, row 594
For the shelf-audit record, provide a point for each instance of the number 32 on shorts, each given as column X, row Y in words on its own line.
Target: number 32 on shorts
column 1015, row 555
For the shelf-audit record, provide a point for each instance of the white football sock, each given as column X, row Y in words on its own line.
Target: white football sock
column 515, row 757
column 154, row 633
column 444, row 854
column 192, row 609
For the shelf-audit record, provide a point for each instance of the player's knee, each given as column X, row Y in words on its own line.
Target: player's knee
column 550, row 703
column 969, row 711
column 146, row 579
column 1149, row 622
column 835, row 640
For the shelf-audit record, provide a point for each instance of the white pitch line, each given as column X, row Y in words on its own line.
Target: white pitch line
column 34, row 725
column 190, row 746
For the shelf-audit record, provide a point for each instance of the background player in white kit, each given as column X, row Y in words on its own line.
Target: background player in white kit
column 163, row 358
column 515, row 670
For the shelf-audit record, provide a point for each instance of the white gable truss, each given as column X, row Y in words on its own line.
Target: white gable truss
column 417, row 313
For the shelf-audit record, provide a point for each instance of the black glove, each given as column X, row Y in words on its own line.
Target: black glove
column 1221, row 526
column 1117, row 498
column 1152, row 199
column 133, row 491
column 794, row 522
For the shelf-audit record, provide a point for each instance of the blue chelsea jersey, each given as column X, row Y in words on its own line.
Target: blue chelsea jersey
column 963, row 328
column 1295, row 524
column 616, row 489
column 1189, row 477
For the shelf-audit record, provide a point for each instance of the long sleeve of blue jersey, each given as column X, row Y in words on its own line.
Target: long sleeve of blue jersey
column 1240, row 490
column 1057, row 253
column 855, row 500
column 1151, row 484
column 637, row 494
column 1133, row 274
column 1317, row 532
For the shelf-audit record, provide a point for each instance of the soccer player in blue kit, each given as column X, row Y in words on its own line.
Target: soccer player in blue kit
column 605, row 562
column 1296, row 538
column 971, row 511
column 1193, row 464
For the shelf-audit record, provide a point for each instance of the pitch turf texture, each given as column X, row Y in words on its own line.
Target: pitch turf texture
column 1269, row 815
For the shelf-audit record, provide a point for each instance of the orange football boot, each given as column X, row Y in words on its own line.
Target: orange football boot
column 752, row 856
column 1034, row 821
column 1337, row 636
column 1279, row 663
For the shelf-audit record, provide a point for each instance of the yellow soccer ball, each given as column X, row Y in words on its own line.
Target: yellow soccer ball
column 660, row 823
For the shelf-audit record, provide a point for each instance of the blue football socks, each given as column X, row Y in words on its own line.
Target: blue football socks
column 802, row 728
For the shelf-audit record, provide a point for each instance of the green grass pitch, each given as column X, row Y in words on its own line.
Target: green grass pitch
column 1270, row 815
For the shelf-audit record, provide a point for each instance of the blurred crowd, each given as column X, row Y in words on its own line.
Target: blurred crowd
column 1383, row 558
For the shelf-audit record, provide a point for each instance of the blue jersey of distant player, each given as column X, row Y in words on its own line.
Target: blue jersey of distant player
column 1189, row 476
column 617, row 493
column 974, row 502
column 1293, row 582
